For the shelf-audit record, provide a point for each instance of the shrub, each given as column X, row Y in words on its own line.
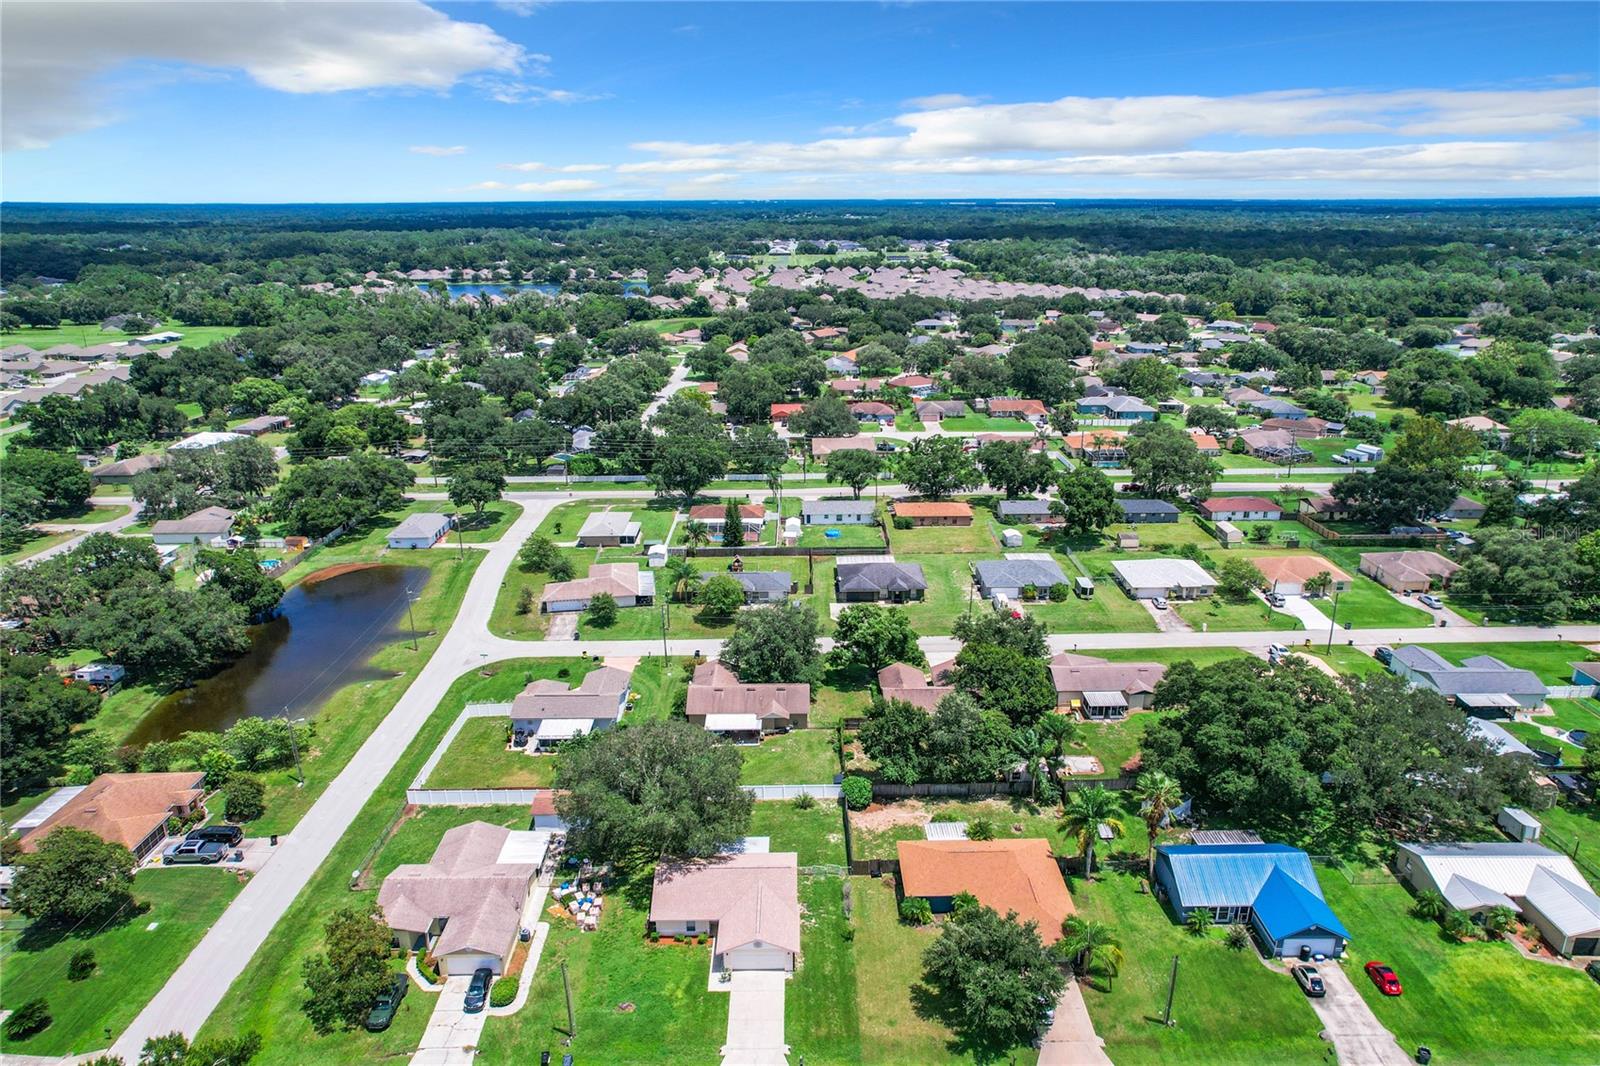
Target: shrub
column 525, row 601
column 81, row 965
column 857, row 792
column 1199, row 922
column 428, row 969
column 847, row 932
column 603, row 610
column 902, row 522
column 1238, row 937
column 1030, row 592
column 915, row 910
column 1060, row 592
column 980, row 829
column 560, row 569
column 32, row 1017
column 805, row 801
column 244, row 798
column 502, row 992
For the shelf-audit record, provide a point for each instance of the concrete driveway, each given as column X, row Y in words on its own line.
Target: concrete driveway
column 1303, row 609
column 1357, row 1035
column 755, row 1020
column 451, row 1038
column 1071, row 1040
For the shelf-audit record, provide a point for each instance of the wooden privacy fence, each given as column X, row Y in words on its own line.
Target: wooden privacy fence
column 1370, row 540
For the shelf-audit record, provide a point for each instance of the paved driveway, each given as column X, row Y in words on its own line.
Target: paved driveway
column 1306, row 611
column 755, row 1020
column 1071, row 1041
column 1358, row 1037
column 452, row 1035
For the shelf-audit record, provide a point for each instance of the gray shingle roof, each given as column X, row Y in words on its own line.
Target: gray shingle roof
column 880, row 576
column 1017, row 573
column 814, row 507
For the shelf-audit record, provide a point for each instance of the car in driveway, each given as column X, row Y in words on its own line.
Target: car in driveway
column 229, row 836
column 1387, row 981
column 194, row 852
column 1593, row 969
column 1383, row 654
column 1159, row 603
column 387, row 1004
column 1276, row 599
column 1309, row 980
column 1431, row 602
column 478, row 990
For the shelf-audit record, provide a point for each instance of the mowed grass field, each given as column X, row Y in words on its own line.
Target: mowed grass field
column 91, row 335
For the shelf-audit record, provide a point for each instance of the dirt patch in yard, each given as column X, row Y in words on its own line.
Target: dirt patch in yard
column 881, row 816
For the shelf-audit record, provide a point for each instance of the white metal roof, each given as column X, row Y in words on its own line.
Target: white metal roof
column 563, row 728
column 525, row 846
column 945, row 831
column 1163, row 573
column 717, row 723
column 1105, row 699
column 1506, row 868
column 1567, row 904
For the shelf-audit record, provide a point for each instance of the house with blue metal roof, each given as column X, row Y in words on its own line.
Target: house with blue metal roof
column 1270, row 887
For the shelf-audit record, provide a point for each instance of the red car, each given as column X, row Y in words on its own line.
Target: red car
column 1384, row 978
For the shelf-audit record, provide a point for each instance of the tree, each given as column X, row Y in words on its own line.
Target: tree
column 873, row 636
column 61, row 482
column 244, row 798
column 1166, row 463
column 1209, row 418
column 1086, row 500
column 720, row 597
column 995, row 975
column 32, row 1017
column 477, row 485
column 1199, row 921
column 1089, row 945
column 686, row 463
column 1083, row 812
column 826, row 416
column 893, row 737
column 1236, row 578
column 1147, row 378
column 732, row 523
column 937, row 467
column 602, row 613
column 857, row 791
column 319, row 496
column 346, row 976
column 1024, row 635
column 1007, row 681
column 1013, row 469
column 238, row 573
column 1319, row 584
column 775, row 645
column 651, row 790
column 1513, row 571
column 856, row 468
column 1540, row 434
column 537, row 553
column 73, row 876
column 1499, row 921
column 40, row 712
column 1158, row 794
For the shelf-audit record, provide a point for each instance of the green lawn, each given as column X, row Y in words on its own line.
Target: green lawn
column 842, row 694
column 1348, row 660
column 802, row 757
column 372, row 536
column 1216, row 613
column 976, row 423
column 91, row 515
column 37, row 542
column 943, row 539
column 1569, row 826
column 820, row 1006
column 656, row 688
column 815, row 835
column 1368, row 605
column 134, row 960
column 850, row 536
column 1472, row 1003
column 478, row 758
column 91, row 335
column 1551, row 660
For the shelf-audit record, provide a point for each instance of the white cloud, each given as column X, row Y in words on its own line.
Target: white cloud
column 55, row 55
column 687, row 165
column 521, row 92
column 435, row 149
column 565, row 168
column 938, row 100
column 558, row 185
column 712, row 179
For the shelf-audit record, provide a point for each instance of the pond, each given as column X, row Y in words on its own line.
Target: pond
column 460, row 289
column 325, row 632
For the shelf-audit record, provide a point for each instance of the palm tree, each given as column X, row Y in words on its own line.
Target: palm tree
column 696, row 534
column 1498, row 921
column 1083, row 812
column 1199, row 922
column 1060, row 731
column 1089, row 945
column 683, row 577
column 1159, row 793
column 1430, row 906
column 1032, row 748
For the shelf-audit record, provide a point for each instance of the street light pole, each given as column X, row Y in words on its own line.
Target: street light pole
column 1333, row 619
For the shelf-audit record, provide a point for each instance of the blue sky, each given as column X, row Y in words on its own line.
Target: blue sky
column 512, row 101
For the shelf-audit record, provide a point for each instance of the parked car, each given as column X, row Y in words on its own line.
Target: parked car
column 1310, row 981
column 1383, row 655
column 1431, row 602
column 1593, row 969
column 190, row 852
column 387, row 1004
column 478, row 990
column 1277, row 651
column 227, row 835
column 1276, row 599
column 1159, row 603
column 1386, row 980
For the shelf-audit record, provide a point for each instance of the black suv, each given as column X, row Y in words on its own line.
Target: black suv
column 387, row 1004
column 478, row 990
column 230, row 835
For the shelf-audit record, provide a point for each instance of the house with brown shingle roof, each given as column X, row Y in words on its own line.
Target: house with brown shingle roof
column 720, row 703
column 127, row 809
column 749, row 903
column 1099, row 689
column 626, row 583
column 1011, row 876
column 1408, row 571
column 902, row 681
column 1288, row 574
column 1010, row 407
column 933, row 512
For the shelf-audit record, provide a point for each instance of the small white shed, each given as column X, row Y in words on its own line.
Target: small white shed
column 656, row 555
column 1518, row 824
column 1010, row 538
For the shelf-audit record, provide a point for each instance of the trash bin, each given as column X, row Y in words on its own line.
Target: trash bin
column 1305, row 952
column 1424, row 1055
column 274, row 839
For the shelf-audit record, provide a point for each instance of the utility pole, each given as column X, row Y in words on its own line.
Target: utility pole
column 461, row 547
column 1172, row 987
column 294, row 747
column 411, row 618
column 572, row 1025
column 1333, row 620
column 664, row 632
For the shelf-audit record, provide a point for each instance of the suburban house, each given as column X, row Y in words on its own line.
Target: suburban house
column 822, row 447
column 100, row 675
column 1324, row 508
column 1241, row 509
column 609, row 529
column 1019, row 876
column 1274, row 445
column 1408, row 571
column 1480, row 683
column 1463, row 509
column 464, row 905
column 207, row 526
column 1098, row 447
column 127, row 809
column 1243, row 396
column 123, row 471
column 875, row 578
column 1028, row 513
column 1173, row 579
column 1274, row 408
column 626, row 583
column 419, row 531
column 1009, row 576
column 1098, row 689
column 939, row 410
column 919, row 385
column 1128, row 408
column 1027, row 410
column 873, row 411
column 760, row 586
column 714, row 515
column 548, row 711
column 1287, row 574
column 838, row 512
column 1586, row 673
column 782, row 412
column 1205, row 443
column 933, row 512
column 1140, row 511
column 1485, row 427
column 720, row 703
column 1541, row 885
column 1310, row 428
column 902, row 681
column 262, row 425
column 748, row 902
column 1270, row 887
column 210, row 438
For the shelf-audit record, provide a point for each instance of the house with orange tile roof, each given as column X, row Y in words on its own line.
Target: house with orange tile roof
column 1012, row 876
column 933, row 512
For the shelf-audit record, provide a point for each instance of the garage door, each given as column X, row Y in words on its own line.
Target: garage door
column 1320, row 945
column 464, row 965
column 1586, row 945
column 757, row 959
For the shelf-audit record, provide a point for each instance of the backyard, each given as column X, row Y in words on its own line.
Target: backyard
column 800, row 757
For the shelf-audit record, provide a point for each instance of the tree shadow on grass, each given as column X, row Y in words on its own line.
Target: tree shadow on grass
column 932, row 1005
column 43, row 935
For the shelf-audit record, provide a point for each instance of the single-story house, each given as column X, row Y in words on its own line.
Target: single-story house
column 100, row 675
column 1028, row 410
column 1139, row 511
column 1481, row 683
column 1408, row 571
column 1501, row 740
column 933, row 512
column 1542, row 885
column 1011, row 876
column 609, row 529
column 123, row 471
column 464, row 905
column 1099, row 689
column 919, row 385
column 825, row 446
column 261, row 425
column 1271, row 887
column 939, row 410
column 1243, row 396
column 208, row 525
column 1129, row 408
column 1483, row 426
column 720, row 703
column 873, row 411
column 749, row 903
column 422, row 530
column 1275, row 408
column 713, row 515
column 902, row 681
column 1009, row 576
column 1310, row 428
column 1241, row 509
column 760, row 586
column 626, row 583
column 1586, row 673
column 548, row 711
column 127, row 809
column 207, row 439
column 1463, row 509
column 1287, row 574
column 1173, row 579
column 1098, row 447
column 1028, row 513
column 1324, row 508
column 874, row 578
column 838, row 512
column 782, row 412
column 1274, row 445
column 1205, row 443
